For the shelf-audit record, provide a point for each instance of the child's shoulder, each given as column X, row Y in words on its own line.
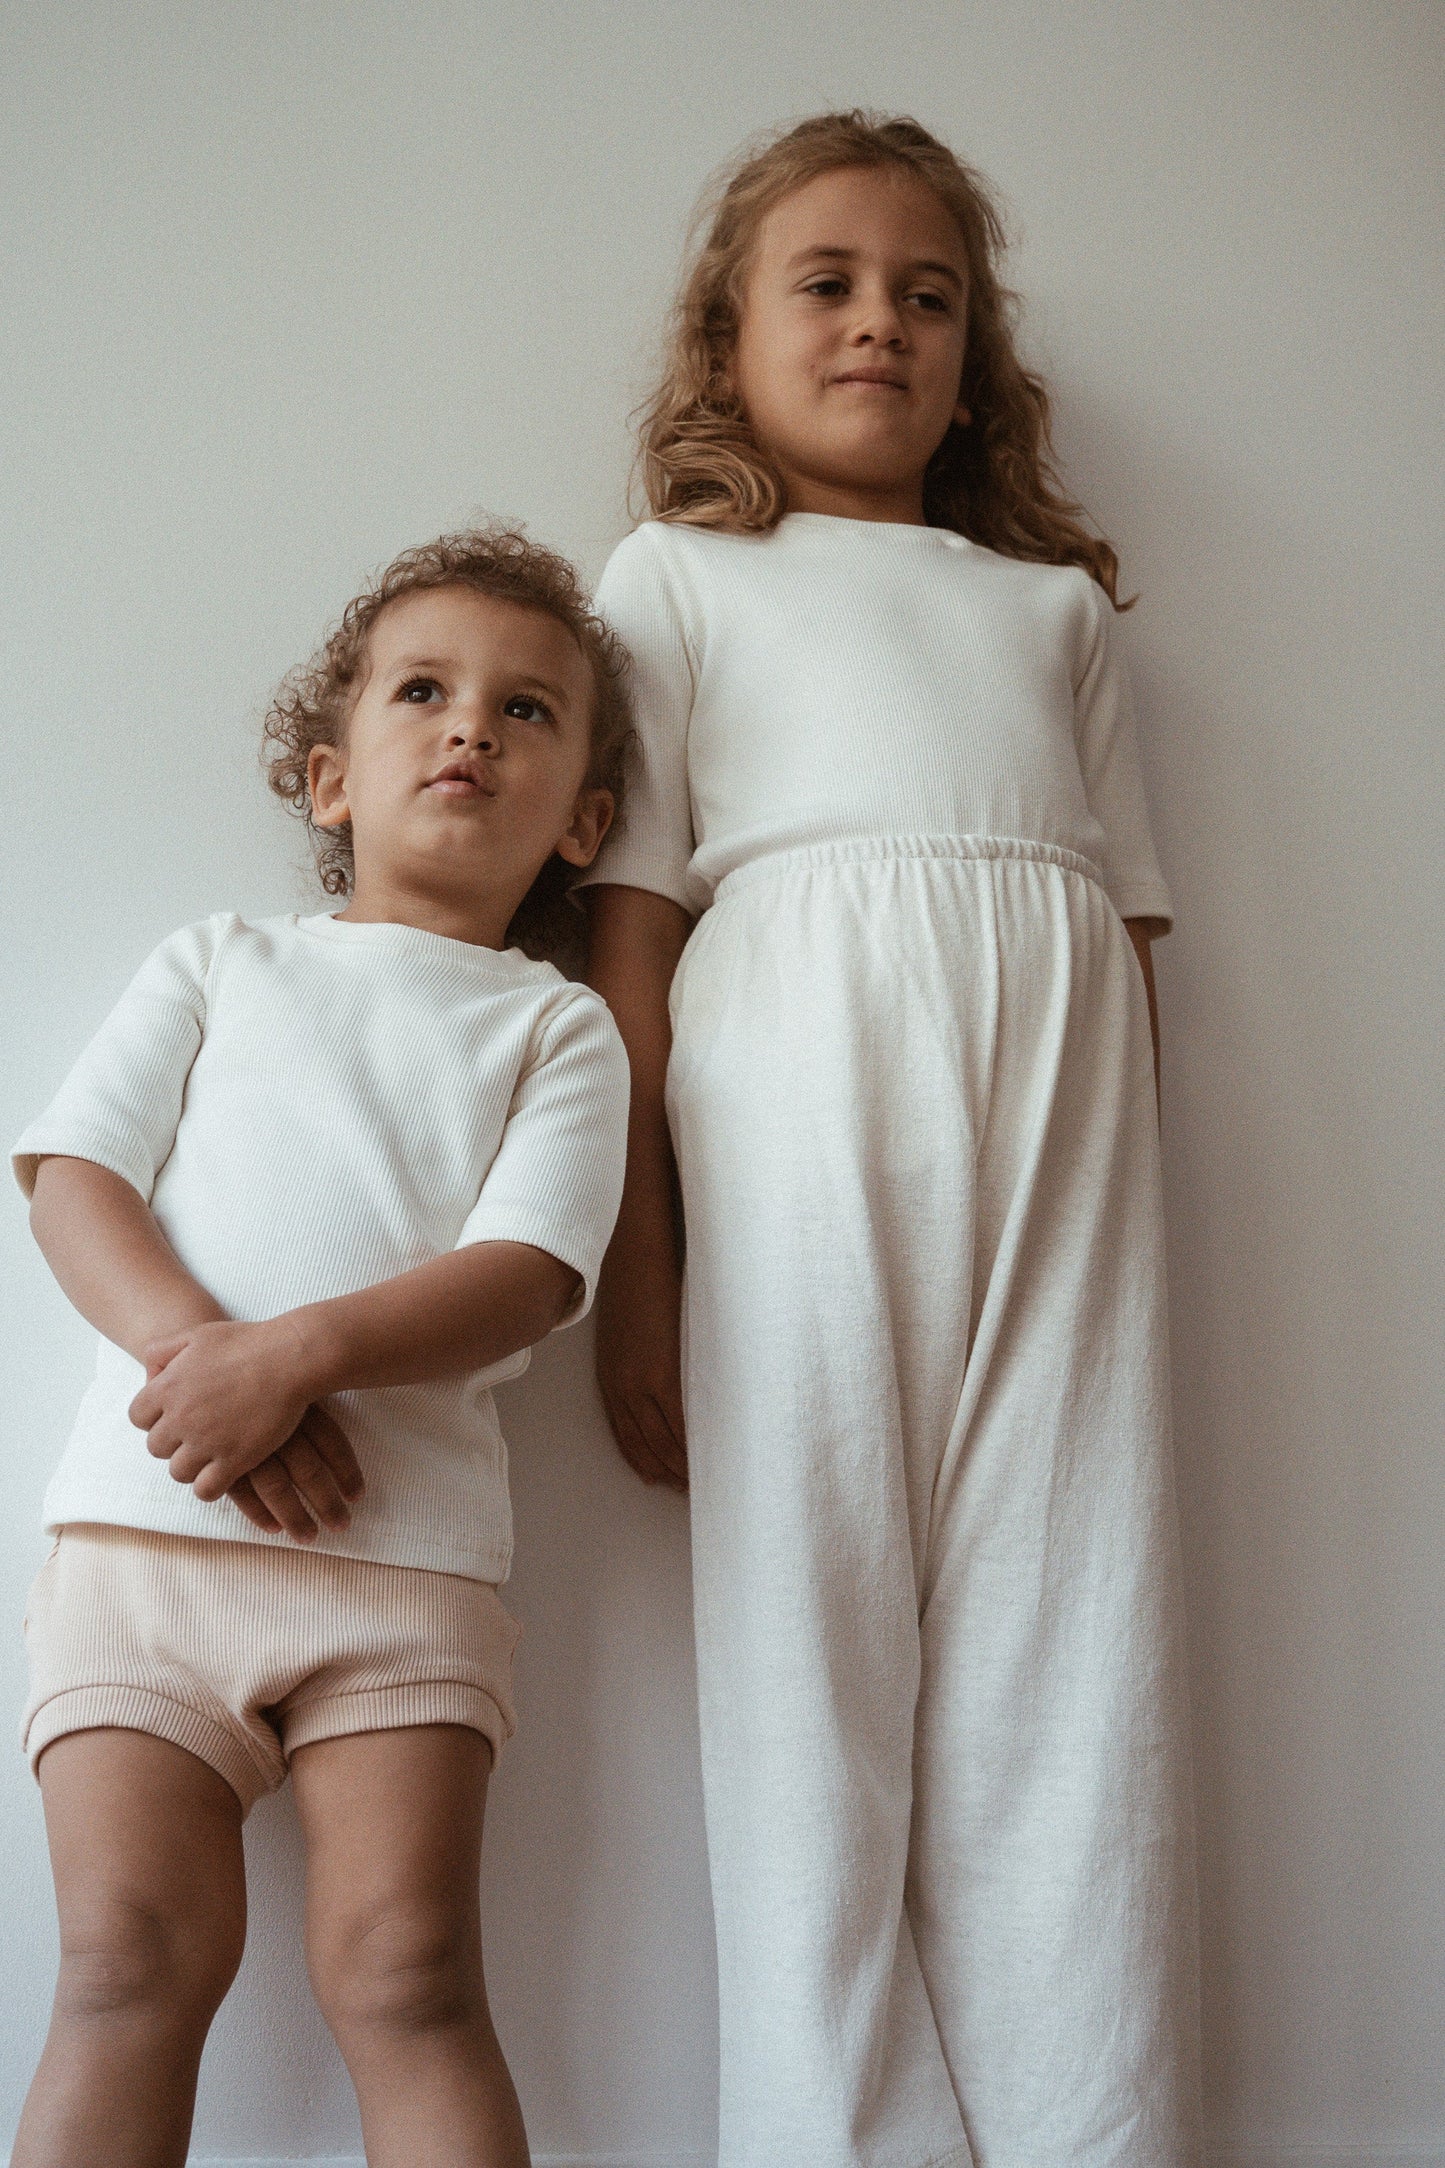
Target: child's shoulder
column 667, row 570
column 235, row 941
column 674, row 551
column 223, row 929
column 191, row 951
column 564, row 1001
column 1061, row 582
column 1064, row 598
column 660, row 575
column 572, row 1024
column 555, row 1006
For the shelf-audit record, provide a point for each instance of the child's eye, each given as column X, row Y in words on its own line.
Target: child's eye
column 528, row 710
column 417, row 692
column 937, row 303
column 827, row 286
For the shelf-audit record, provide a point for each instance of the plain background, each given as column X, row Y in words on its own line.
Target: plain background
column 289, row 286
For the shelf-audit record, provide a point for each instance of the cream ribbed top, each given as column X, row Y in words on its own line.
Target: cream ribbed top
column 843, row 678
column 310, row 1106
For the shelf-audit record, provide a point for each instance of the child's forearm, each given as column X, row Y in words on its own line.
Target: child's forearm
column 458, row 1313
column 102, row 1243
column 1143, row 931
column 222, row 1398
column 636, row 942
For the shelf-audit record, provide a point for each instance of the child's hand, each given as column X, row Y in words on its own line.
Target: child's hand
column 220, row 1399
column 639, row 1371
column 313, row 1479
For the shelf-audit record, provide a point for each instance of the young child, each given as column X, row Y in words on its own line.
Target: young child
column 320, row 1182
column 887, row 762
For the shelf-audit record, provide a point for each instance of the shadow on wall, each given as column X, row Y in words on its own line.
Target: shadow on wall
column 598, row 1929
column 1272, row 663
column 272, row 2078
column 597, row 1900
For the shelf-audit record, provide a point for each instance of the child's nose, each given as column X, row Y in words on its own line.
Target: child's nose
column 879, row 322
column 480, row 732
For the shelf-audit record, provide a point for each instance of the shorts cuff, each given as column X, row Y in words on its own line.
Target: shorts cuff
column 397, row 1708
column 135, row 1708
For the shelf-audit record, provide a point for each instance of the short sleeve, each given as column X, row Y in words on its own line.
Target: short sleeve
column 1113, row 783
column 652, row 843
column 120, row 1106
column 556, row 1179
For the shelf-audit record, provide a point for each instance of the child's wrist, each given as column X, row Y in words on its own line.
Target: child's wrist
column 167, row 1319
column 308, row 1350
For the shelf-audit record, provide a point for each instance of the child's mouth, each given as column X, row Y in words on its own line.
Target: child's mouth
column 459, row 782
column 875, row 379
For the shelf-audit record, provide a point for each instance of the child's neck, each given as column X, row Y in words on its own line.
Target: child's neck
column 389, row 900
column 896, row 504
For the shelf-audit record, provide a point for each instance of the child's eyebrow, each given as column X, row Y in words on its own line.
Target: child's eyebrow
column 417, row 662
column 850, row 255
column 532, row 683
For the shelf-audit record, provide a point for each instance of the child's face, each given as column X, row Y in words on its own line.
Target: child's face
column 850, row 349
column 464, row 765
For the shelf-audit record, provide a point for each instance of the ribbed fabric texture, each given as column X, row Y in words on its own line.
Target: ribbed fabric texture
column 310, row 1106
column 241, row 1655
column 841, row 678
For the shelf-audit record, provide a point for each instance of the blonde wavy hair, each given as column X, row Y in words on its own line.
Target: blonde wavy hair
column 994, row 480
column 313, row 705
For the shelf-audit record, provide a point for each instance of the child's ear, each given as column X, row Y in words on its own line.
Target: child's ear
column 326, row 781
column 591, row 819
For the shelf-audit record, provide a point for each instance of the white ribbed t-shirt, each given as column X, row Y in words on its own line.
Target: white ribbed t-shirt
column 840, row 679
column 308, row 1106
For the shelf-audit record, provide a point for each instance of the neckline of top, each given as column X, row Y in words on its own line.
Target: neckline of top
column 876, row 526
column 510, row 963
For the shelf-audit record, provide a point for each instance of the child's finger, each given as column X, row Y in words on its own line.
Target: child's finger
column 145, row 1410
column 314, row 1481
column 158, row 1353
column 244, row 1493
column 630, row 1443
column 212, row 1482
column 669, row 1455
column 188, row 1461
column 278, row 1493
column 667, row 1437
column 335, row 1448
column 633, row 1444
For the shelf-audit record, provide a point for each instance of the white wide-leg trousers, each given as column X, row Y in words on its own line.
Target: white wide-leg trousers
column 938, row 1625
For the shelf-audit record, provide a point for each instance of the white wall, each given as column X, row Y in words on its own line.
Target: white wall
column 289, row 286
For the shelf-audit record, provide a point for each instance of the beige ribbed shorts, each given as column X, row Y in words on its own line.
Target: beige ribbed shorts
column 242, row 1652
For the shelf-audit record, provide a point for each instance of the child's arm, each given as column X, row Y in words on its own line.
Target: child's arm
column 225, row 1395
column 637, row 938
column 101, row 1241
column 1114, row 786
column 1143, row 931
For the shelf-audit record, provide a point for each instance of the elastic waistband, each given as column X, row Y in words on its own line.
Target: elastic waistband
column 888, row 850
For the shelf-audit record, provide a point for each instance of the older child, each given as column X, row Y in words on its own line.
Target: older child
column 319, row 1182
column 887, row 761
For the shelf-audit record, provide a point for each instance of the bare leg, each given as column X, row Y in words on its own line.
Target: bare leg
column 393, row 1826
column 145, row 1846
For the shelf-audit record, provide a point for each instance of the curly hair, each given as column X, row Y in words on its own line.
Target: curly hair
column 994, row 480
column 314, row 703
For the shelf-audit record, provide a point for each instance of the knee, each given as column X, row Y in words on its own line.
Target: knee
column 127, row 1959
column 398, row 1969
